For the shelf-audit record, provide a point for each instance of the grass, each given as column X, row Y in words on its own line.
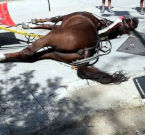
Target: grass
column 143, row 130
column 119, row 133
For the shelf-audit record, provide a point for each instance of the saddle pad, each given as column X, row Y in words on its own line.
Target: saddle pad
column 140, row 85
column 134, row 45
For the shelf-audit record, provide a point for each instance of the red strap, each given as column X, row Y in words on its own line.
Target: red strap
column 5, row 18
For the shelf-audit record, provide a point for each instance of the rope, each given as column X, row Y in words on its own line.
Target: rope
column 20, row 32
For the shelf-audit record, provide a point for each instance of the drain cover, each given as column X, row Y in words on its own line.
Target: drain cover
column 134, row 45
column 140, row 85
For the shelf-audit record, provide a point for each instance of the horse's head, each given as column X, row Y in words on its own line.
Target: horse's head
column 128, row 24
column 123, row 25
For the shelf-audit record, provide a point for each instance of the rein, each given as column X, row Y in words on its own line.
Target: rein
column 105, row 22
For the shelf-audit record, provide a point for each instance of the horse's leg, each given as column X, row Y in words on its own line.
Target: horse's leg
column 53, row 19
column 58, row 56
column 42, row 26
column 29, row 51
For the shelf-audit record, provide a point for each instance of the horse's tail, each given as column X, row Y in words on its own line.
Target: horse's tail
column 92, row 73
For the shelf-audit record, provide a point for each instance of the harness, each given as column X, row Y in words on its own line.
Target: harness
column 100, row 50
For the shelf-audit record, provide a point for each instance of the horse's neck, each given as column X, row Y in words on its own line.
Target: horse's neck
column 113, row 34
column 111, row 29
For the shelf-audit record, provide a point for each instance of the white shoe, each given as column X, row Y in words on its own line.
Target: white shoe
column 142, row 12
column 102, row 10
column 110, row 11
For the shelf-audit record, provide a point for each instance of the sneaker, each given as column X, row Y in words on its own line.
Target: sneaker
column 102, row 10
column 110, row 11
column 142, row 12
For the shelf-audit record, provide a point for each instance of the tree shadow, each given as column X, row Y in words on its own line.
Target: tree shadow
column 26, row 107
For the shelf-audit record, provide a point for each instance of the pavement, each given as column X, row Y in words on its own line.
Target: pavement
column 38, row 96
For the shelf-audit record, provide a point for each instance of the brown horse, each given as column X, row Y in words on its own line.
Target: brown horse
column 75, row 39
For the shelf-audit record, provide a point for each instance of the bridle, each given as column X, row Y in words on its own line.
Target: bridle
column 128, row 26
column 105, row 22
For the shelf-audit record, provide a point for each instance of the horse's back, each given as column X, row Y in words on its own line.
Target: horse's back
column 78, row 17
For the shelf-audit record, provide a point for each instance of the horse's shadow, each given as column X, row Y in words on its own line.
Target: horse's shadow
column 8, row 40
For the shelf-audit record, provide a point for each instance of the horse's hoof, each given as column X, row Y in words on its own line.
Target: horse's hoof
column 119, row 77
column 2, row 57
column 74, row 67
column 33, row 21
column 25, row 26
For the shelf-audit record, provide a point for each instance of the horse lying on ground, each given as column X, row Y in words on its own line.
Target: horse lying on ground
column 76, row 39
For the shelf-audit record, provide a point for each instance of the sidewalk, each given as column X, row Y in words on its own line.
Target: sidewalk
column 38, row 96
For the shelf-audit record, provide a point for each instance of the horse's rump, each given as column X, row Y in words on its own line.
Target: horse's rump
column 74, row 37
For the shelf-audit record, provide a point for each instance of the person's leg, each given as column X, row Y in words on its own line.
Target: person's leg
column 141, row 7
column 109, row 3
column 103, row 6
column 109, row 6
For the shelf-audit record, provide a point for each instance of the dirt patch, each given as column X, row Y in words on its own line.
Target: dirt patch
column 111, row 122
column 119, row 122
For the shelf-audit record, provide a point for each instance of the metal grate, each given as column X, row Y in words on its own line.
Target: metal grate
column 134, row 45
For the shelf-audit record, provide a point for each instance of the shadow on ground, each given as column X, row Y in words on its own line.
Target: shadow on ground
column 137, row 9
column 22, row 111
column 27, row 110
